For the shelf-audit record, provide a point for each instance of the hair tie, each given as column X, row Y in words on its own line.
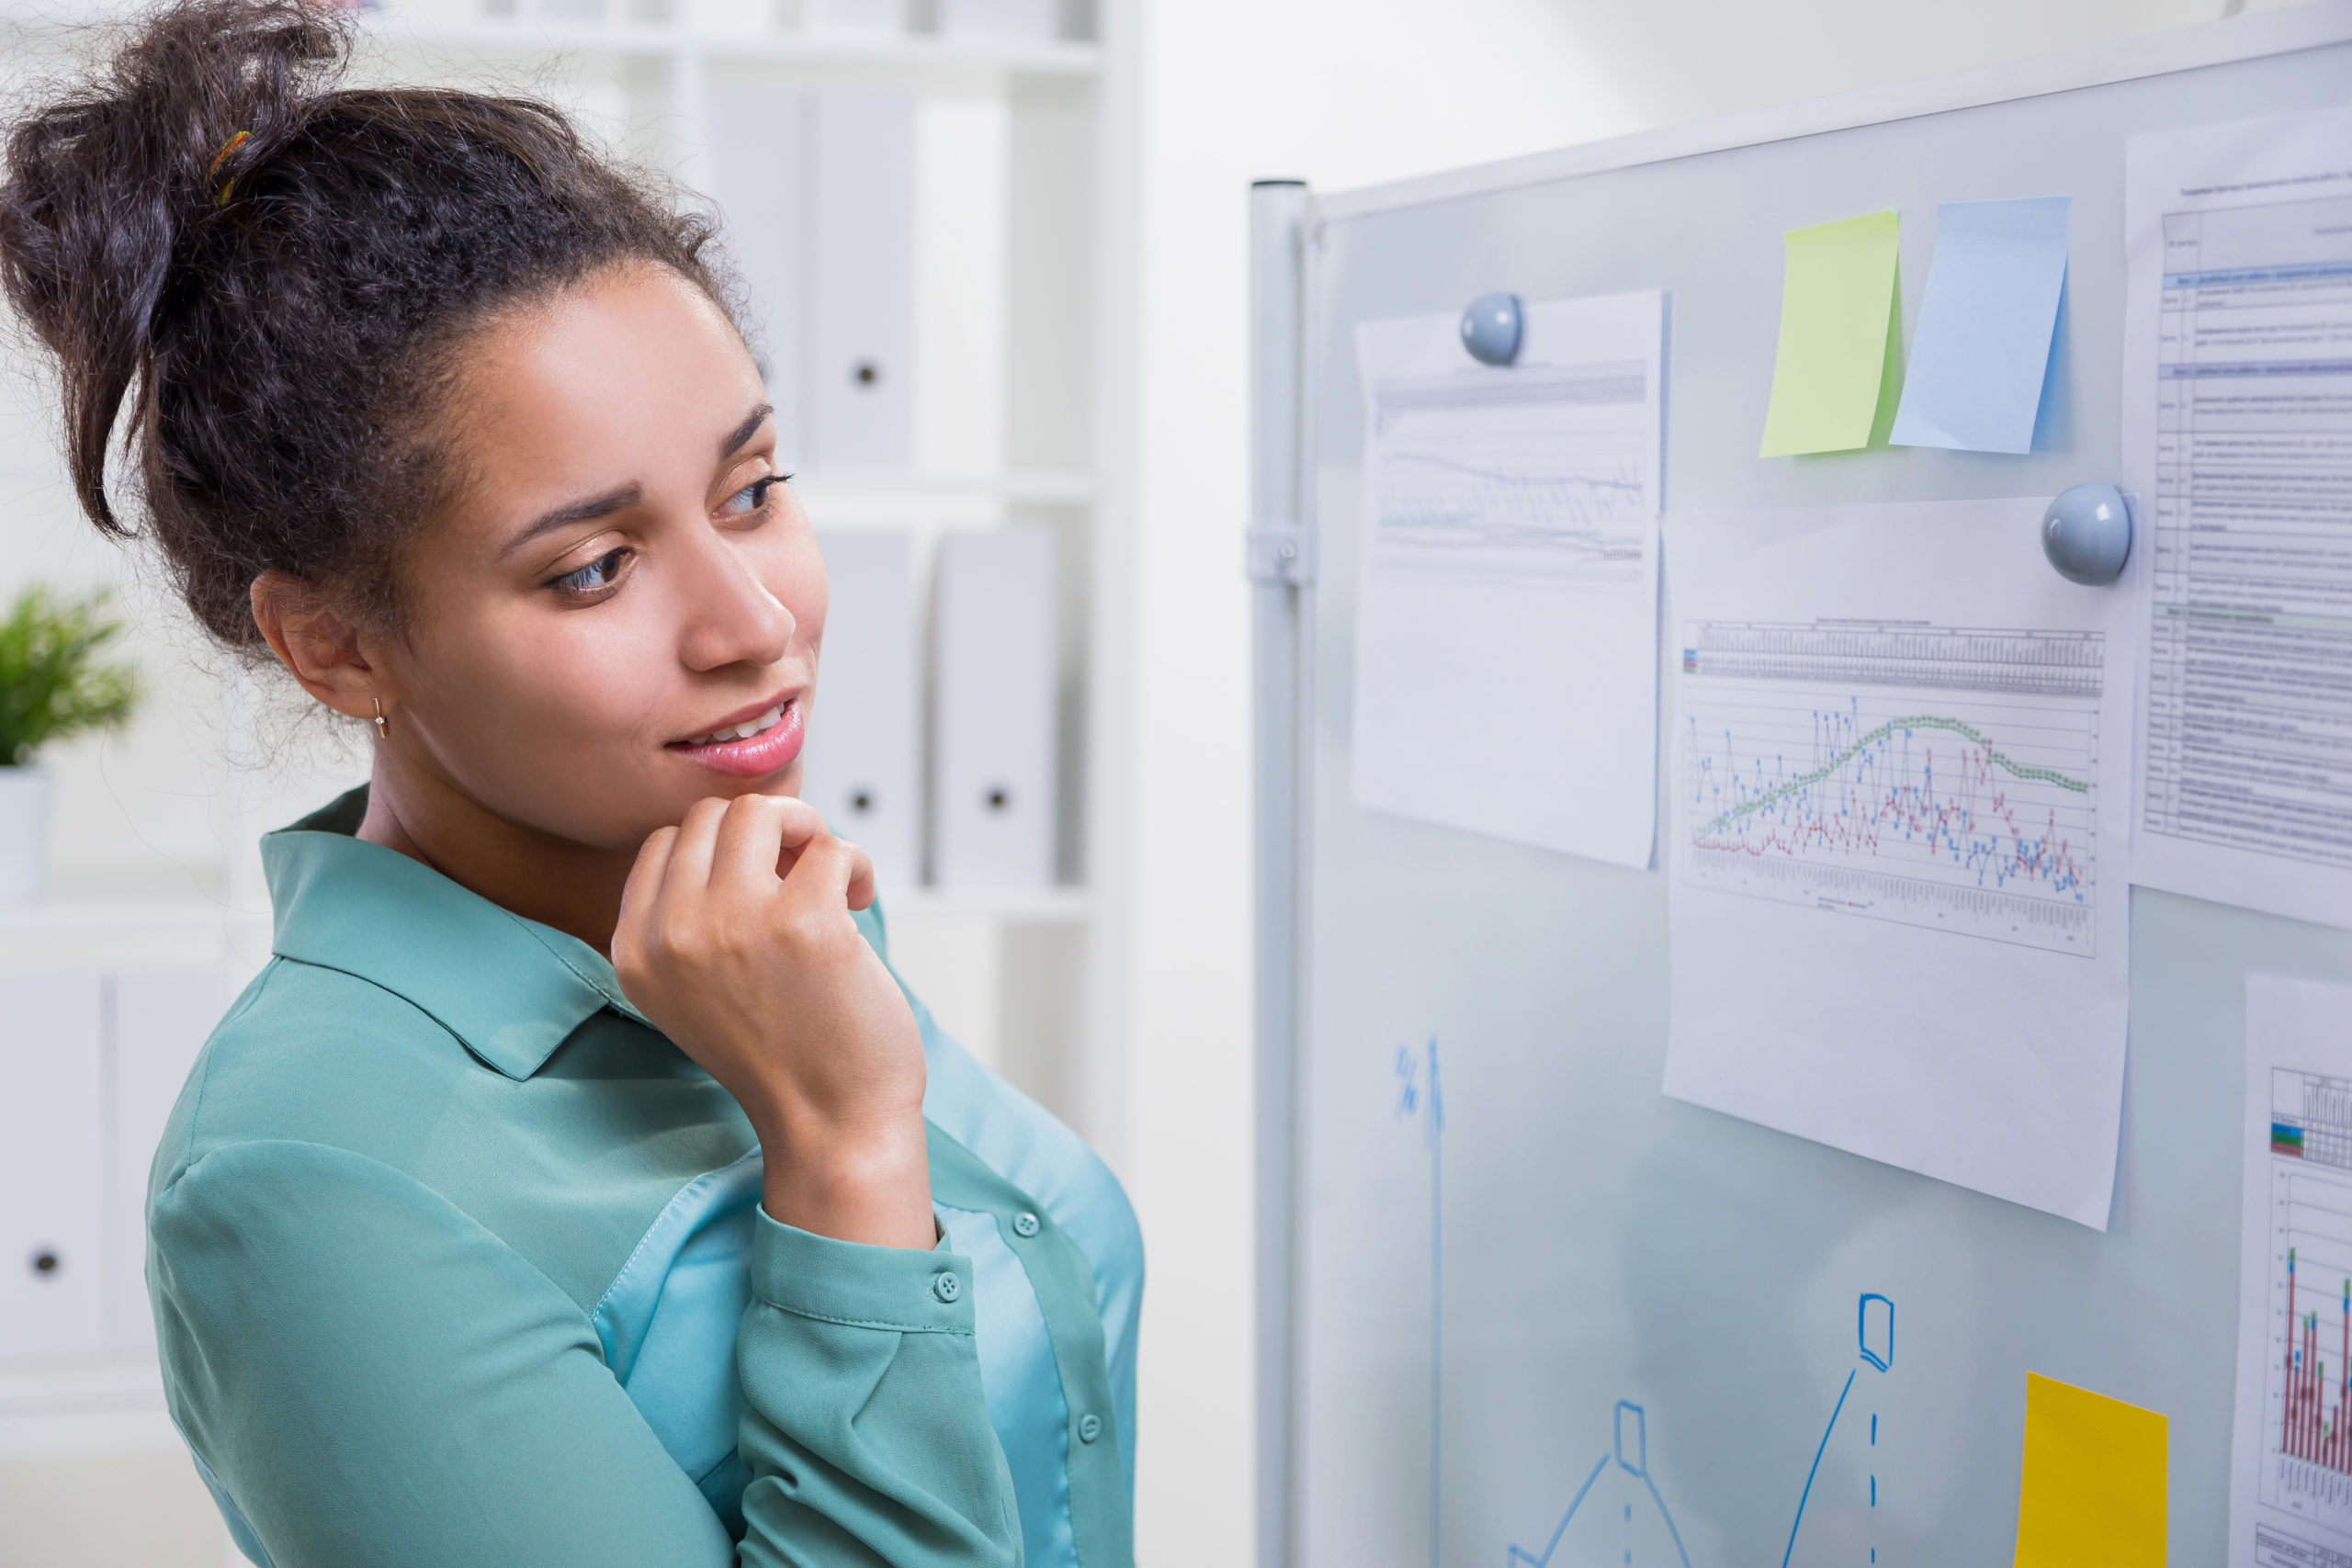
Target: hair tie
column 221, row 198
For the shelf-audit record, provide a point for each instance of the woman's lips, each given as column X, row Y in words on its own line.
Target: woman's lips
column 753, row 756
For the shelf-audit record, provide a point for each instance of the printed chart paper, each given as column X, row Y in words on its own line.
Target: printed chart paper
column 1506, row 612
column 2291, row 1468
column 2238, row 438
column 1898, row 912
column 1836, row 363
column 1983, row 347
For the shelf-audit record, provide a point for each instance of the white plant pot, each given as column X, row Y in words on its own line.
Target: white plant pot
column 24, row 833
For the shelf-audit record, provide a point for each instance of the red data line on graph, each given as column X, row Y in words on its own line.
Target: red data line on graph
column 2311, row 1429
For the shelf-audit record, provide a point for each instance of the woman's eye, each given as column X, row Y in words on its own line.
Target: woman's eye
column 753, row 497
column 597, row 575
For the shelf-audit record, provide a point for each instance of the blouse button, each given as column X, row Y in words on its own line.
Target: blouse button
column 946, row 1286
column 1025, row 1225
column 1090, row 1427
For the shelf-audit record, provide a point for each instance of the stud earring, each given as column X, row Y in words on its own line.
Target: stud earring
column 383, row 730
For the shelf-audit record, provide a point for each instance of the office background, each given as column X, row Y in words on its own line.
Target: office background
column 1121, row 995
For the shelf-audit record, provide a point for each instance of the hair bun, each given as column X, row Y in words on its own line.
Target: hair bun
column 105, row 183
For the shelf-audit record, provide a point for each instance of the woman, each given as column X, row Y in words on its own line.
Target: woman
column 576, row 1185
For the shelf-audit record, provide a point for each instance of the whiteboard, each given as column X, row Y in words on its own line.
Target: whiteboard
column 1577, row 1320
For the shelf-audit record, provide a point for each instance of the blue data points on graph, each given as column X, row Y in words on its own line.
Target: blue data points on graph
column 1945, row 778
column 1617, row 1515
column 1877, row 1331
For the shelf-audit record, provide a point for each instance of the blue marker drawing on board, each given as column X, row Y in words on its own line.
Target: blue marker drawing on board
column 1874, row 1335
column 1428, row 1102
column 1601, row 1532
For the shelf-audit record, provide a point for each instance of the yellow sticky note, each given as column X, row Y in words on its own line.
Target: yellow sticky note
column 2093, row 1489
column 1837, row 336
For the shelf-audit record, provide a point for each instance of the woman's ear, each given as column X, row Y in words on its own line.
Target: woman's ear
column 318, row 643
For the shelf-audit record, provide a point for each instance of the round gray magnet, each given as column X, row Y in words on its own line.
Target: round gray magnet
column 1491, row 328
column 2086, row 533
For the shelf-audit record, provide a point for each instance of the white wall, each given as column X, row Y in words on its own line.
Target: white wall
column 1341, row 93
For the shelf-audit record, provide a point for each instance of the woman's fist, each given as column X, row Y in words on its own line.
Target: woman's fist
column 735, row 938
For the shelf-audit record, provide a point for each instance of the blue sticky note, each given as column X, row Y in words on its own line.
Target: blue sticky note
column 1983, row 346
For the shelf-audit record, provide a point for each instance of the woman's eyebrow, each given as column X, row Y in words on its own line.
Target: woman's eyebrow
column 745, row 430
column 605, row 505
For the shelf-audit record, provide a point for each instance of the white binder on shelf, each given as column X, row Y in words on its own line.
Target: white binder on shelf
column 993, row 684
column 863, row 728
column 1026, row 19
column 887, row 17
column 756, row 163
column 728, row 16
column 53, row 1270
column 859, row 173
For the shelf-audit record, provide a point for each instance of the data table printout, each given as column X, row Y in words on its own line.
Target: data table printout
column 2238, row 439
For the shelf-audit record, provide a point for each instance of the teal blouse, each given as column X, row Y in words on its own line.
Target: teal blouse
column 456, row 1260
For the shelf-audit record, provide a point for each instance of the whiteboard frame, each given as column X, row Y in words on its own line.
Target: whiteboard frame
column 1284, row 676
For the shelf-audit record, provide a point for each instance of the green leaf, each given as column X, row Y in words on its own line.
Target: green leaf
column 52, row 683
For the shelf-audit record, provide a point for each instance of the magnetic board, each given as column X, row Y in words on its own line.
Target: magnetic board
column 1573, row 1322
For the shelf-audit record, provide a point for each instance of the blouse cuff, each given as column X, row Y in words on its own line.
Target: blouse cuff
column 865, row 1287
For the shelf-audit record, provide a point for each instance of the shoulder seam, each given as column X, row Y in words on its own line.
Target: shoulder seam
column 238, row 1010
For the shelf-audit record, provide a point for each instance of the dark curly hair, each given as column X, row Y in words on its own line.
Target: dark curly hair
column 280, row 317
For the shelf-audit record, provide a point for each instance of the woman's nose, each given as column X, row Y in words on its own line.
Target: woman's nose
column 731, row 618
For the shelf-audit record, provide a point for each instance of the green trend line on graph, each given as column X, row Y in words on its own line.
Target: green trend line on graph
column 1922, row 721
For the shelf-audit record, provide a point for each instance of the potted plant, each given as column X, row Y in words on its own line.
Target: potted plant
column 53, row 685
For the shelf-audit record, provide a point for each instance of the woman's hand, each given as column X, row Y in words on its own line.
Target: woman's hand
column 735, row 938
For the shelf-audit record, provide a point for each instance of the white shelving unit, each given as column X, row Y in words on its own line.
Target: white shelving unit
column 1021, row 973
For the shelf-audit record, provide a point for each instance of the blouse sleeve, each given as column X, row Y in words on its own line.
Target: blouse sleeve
column 373, row 1379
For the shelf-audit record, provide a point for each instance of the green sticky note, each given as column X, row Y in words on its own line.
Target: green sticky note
column 2093, row 1487
column 1837, row 336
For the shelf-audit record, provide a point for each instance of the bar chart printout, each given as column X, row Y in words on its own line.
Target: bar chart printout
column 2294, row 1437
column 2312, row 1402
column 2311, row 1183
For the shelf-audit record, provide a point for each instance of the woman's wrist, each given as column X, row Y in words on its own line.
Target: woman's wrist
column 866, row 1183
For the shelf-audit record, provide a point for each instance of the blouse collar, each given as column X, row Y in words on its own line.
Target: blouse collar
column 511, row 989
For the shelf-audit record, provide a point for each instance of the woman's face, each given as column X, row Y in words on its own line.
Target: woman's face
column 620, row 613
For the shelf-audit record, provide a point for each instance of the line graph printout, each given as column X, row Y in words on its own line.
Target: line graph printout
column 1539, row 471
column 1506, row 604
column 1895, row 916
column 1942, row 778
column 2238, row 437
column 2291, row 1486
